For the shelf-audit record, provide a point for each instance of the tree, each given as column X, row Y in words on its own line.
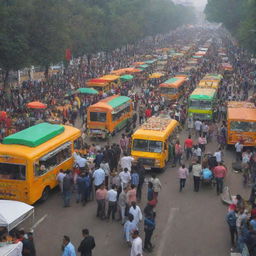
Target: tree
column 238, row 16
column 49, row 34
column 14, row 45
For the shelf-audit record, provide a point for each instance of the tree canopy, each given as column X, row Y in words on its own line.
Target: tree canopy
column 37, row 32
column 238, row 16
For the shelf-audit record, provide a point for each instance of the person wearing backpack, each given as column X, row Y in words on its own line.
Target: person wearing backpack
column 231, row 220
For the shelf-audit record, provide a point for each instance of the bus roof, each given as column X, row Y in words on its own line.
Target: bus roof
column 69, row 133
column 203, row 94
column 174, row 82
column 155, row 128
column 34, row 135
column 111, row 102
column 213, row 76
column 241, row 104
column 109, row 77
column 242, row 114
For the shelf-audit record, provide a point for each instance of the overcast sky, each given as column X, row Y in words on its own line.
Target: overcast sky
column 199, row 3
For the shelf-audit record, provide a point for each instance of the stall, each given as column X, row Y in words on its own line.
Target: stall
column 12, row 213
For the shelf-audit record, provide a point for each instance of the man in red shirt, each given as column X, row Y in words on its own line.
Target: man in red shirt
column 220, row 172
column 188, row 144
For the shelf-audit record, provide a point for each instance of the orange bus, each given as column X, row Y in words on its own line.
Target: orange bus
column 241, row 123
column 109, row 116
column 31, row 159
column 173, row 88
column 104, row 83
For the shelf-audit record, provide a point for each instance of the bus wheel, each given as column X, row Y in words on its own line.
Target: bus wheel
column 162, row 170
column 45, row 194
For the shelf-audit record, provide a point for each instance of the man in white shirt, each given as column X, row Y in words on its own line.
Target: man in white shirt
column 198, row 152
column 60, row 176
column 136, row 249
column 125, row 178
column 218, row 155
column 80, row 161
column 98, row 177
column 205, row 129
column 198, row 127
column 112, row 201
column 126, row 162
column 136, row 212
column 239, row 148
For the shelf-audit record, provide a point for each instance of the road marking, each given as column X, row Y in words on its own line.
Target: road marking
column 39, row 221
column 172, row 213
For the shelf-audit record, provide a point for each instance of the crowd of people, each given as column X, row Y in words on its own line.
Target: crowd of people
column 112, row 177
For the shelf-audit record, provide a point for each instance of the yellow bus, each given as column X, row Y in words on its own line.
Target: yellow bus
column 31, row 159
column 150, row 143
column 241, row 123
column 109, row 115
column 173, row 88
column 105, row 83
column 211, row 81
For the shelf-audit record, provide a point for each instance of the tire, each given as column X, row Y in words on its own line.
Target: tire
column 45, row 194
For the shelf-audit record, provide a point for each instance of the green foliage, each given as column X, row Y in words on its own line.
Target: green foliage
column 49, row 31
column 37, row 32
column 238, row 16
column 14, row 36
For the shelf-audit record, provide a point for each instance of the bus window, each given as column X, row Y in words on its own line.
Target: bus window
column 53, row 159
column 147, row 146
column 12, row 171
column 98, row 116
column 200, row 104
column 168, row 90
column 238, row 126
column 117, row 115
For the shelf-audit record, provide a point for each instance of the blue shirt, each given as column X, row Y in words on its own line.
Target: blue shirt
column 135, row 179
column 207, row 174
column 253, row 224
column 128, row 228
column 69, row 250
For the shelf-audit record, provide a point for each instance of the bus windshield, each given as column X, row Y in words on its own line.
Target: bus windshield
column 98, row 116
column 168, row 90
column 238, row 126
column 12, row 171
column 201, row 104
column 147, row 146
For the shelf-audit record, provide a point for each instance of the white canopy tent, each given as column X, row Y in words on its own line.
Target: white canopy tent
column 12, row 213
column 11, row 250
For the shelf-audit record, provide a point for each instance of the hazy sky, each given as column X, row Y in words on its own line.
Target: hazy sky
column 197, row 3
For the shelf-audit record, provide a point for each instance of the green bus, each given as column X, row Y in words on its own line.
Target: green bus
column 202, row 103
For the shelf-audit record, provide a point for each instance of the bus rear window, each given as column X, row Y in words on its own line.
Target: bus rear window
column 238, row 126
column 147, row 146
column 98, row 116
column 12, row 171
column 201, row 104
column 168, row 90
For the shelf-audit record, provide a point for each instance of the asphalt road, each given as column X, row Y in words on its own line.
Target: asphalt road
column 188, row 223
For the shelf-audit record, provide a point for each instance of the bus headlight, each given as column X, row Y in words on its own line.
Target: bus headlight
column 157, row 162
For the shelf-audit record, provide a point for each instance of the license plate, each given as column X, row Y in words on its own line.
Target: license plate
column 96, row 131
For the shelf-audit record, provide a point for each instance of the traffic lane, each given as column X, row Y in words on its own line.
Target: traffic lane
column 70, row 221
column 192, row 221
column 187, row 214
